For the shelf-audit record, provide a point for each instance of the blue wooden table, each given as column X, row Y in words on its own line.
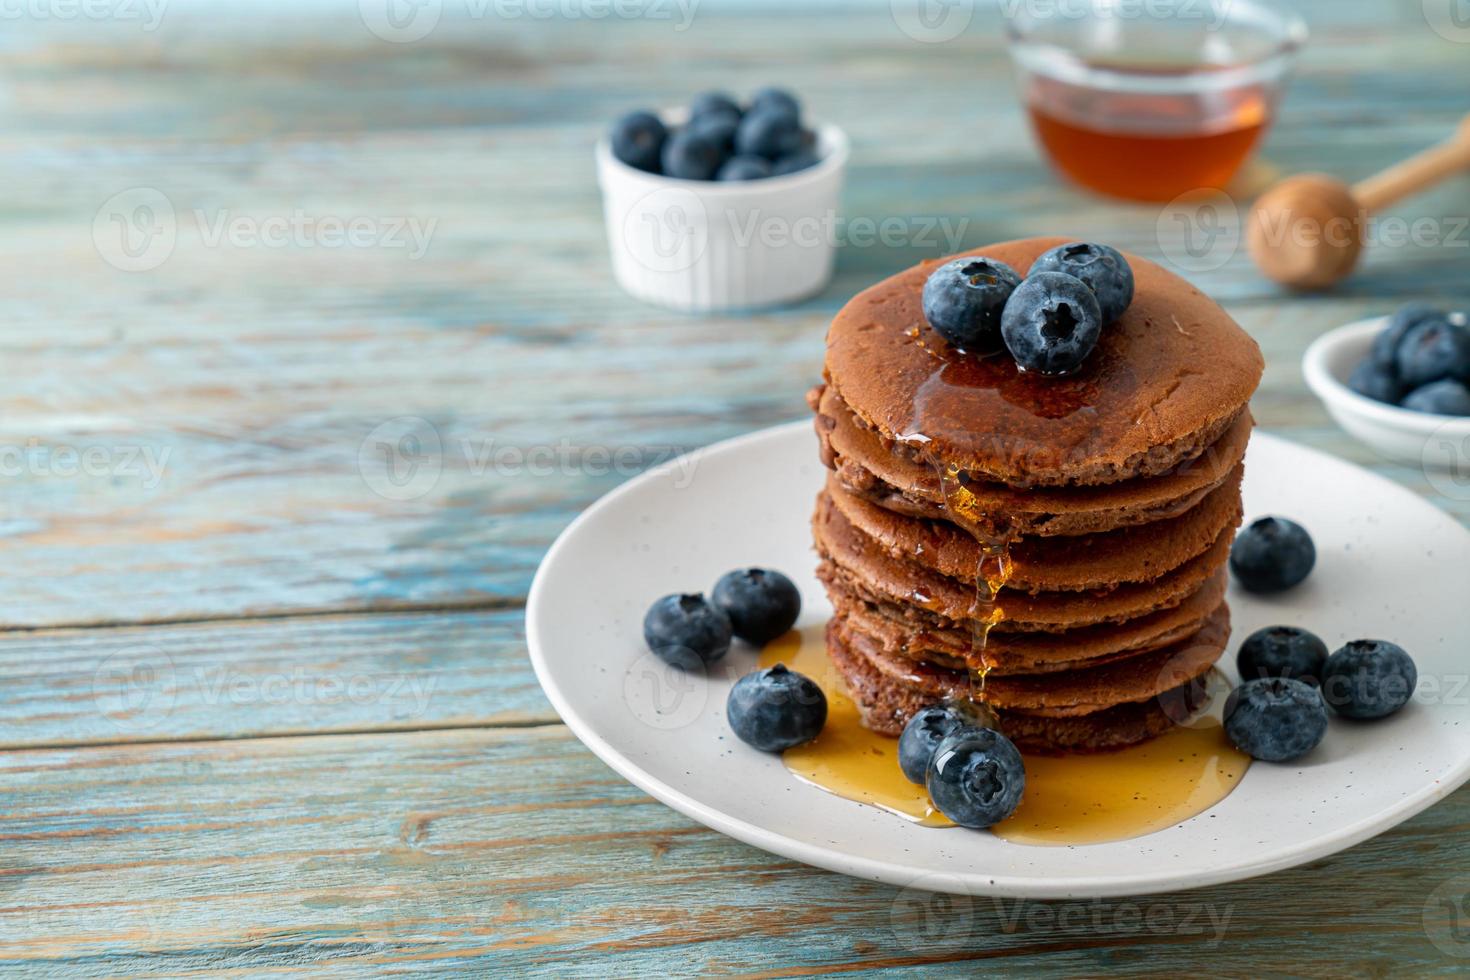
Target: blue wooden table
column 267, row 707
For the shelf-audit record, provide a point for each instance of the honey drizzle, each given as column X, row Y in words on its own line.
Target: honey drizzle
column 1069, row 800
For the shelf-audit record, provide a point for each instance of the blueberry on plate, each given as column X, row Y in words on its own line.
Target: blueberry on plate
column 930, row 726
column 778, row 99
column 744, row 168
column 690, row 155
column 794, row 162
column 687, row 631
column 638, row 140
column 761, row 603
column 713, row 104
column 1101, row 268
column 1272, row 554
column 1275, row 719
column 1385, row 350
column 769, row 133
column 963, row 300
column 1432, row 349
column 1444, row 397
column 776, row 709
column 718, row 129
column 1369, row 679
column 1375, row 381
column 1282, row 651
column 976, row 777
column 1051, row 323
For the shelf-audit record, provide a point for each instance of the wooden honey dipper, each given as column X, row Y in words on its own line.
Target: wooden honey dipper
column 1306, row 231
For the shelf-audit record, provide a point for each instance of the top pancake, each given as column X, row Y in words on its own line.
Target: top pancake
column 1164, row 382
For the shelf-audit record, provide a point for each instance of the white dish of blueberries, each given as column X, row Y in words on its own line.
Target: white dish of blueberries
column 722, row 205
column 1363, row 567
column 1400, row 384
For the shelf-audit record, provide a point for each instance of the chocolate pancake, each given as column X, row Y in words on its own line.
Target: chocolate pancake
column 909, row 635
column 865, row 566
column 1138, row 553
column 1074, row 692
column 886, row 706
column 1165, row 381
column 898, row 478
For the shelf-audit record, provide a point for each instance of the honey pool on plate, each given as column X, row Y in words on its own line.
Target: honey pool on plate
column 1078, row 799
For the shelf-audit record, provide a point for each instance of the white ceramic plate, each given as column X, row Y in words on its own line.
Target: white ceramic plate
column 1390, row 565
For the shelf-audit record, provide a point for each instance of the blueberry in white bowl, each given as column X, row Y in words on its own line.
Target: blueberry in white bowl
column 1275, row 719
column 1431, row 350
column 638, row 140
column 776, row 709
column 1367, row 679
column 1446, row 396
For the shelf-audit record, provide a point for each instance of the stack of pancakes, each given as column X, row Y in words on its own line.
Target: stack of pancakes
column 1053, row 547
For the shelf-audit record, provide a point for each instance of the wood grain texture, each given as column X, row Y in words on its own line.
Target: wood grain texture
column 442, row 851
column 266, row 711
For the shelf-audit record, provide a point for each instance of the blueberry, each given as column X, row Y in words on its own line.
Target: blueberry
column 744, row 168
column 776, row 709
column 761, row 603
column 1373, row 380
column 1272, row 554
column 1275, row 719
column 769, row 133
column 1432, row 349
column 1385, row 348
column 1100, row 267
column 1282, row 651
column 930, row 726
column 687, row 631
column 718, row 129
column 1444, row 397
column 690, row 155
column 713, row 104
column 963, row 300
column 778, row 99
column 793, row 162
column 638, row 140
column 1051, row 323
column 1369, row 679
column 976, row 777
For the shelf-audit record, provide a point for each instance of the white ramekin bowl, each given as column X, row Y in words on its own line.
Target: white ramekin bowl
column 1436, row 442
column 700, row 245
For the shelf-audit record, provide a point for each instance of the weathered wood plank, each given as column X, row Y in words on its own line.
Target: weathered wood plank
column 266, row 677
column 517, row 851
column 251, row 375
